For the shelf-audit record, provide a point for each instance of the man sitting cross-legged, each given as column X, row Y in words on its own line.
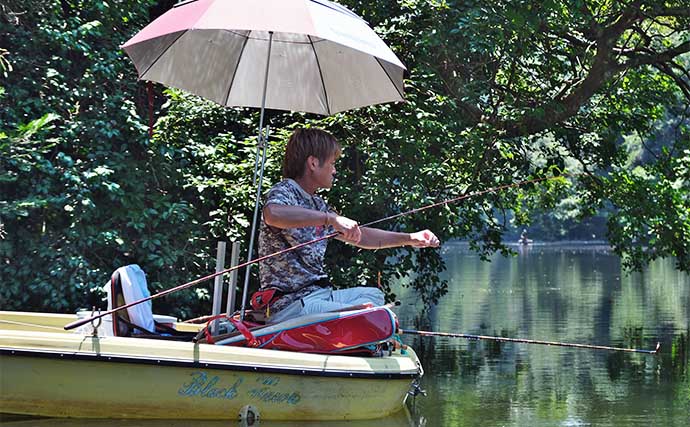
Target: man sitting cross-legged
column 295, row 283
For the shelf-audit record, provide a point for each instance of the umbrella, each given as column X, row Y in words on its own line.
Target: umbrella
column 312, row 56
column 323, row 58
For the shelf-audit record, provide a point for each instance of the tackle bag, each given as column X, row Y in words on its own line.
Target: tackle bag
column 344, row 332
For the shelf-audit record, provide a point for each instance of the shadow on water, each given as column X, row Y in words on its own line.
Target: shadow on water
column 400, row 419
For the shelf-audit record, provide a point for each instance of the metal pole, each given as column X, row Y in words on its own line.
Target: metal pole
column 232, row 283
column 262, row 145
column 218, row 285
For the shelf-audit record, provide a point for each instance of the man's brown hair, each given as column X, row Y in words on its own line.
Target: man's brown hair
column 304, row 143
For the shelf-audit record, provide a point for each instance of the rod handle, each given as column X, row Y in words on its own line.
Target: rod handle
column 81, row 322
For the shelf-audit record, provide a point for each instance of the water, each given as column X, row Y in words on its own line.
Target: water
column 575, row 294
column 566, row 293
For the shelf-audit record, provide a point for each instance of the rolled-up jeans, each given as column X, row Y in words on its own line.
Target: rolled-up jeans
column 328, row 299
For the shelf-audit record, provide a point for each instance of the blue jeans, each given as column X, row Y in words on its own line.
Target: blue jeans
column 327, row 299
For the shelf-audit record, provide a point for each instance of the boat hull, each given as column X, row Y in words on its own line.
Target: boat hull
column 68, row 375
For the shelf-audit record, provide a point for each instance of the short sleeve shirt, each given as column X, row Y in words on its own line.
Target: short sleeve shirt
column 293, row 272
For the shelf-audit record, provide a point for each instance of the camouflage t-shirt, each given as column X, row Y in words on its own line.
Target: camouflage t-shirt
column 293, row 272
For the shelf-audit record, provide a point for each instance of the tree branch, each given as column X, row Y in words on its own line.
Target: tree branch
column 671, row 11
column 574, row 39
column 604, row 66
column 474, row 113
column 682, row 84
column 625, row 20
column 660, row 57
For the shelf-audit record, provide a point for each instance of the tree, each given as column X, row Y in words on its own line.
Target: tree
column 497, row 92
column 82, row 191
column 518, row 86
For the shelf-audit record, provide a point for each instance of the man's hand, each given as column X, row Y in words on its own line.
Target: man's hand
column 349, row 228
column 424, row 239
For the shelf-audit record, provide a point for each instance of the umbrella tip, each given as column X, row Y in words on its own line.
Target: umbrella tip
column 183, row 2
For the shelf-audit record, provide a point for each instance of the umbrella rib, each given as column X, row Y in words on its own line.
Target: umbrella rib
column 163, row 53
column 274, row 40
column 183, row 3
column 339, row 8
column 237, row 65
column 389, row 78
column 323, row 83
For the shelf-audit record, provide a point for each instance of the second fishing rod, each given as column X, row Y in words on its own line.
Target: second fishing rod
column 84, row 321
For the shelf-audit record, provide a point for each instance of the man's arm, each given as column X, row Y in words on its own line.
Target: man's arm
column 373, row 238
column 285, row 216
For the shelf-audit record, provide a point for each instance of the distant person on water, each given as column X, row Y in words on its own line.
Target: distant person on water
column 295, row 283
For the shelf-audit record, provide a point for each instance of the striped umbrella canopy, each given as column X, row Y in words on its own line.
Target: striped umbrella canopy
column 301, row 55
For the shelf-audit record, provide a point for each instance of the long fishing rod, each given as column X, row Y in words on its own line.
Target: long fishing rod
column 526, row 341
column 464, row 196
column 84, row 321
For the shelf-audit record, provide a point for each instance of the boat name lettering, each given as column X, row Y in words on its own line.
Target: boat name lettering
column 203, row 386
column 268, row 380
column 267, row 395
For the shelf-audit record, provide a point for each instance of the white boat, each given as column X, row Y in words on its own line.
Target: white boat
column 47, row 371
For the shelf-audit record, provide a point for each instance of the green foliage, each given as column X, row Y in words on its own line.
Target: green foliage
column 652, row 219
column 497, row 92
column 80, row 186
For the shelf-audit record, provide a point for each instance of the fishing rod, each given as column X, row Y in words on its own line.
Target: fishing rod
column 526, row 341
column 84, row 321
column 464, row 196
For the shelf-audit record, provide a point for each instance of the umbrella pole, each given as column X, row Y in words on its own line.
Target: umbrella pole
column 261, row 146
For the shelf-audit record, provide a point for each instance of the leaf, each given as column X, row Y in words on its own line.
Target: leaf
column 28, row 130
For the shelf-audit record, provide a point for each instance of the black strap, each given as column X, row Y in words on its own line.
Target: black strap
column 323, row 283
column 133, row 326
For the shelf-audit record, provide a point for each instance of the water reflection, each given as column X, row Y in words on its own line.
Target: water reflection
column 559, row 293
column 401, row 419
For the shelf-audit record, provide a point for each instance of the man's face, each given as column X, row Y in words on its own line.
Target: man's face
column 324, row 173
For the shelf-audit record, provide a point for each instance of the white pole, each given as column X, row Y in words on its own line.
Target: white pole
column 234, row 261
column 218, row 285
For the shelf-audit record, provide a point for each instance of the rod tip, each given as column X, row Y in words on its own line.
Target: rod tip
column 658, row 348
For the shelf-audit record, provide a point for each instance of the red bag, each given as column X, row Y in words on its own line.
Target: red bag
column 330, row 333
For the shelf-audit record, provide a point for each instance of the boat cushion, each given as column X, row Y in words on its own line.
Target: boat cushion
column 132, row 283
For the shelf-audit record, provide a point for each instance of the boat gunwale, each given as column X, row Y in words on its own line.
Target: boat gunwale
column 182, row 363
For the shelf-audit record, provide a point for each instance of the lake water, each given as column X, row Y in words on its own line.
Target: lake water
column 565, row 293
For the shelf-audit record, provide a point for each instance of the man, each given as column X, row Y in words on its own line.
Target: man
column 295, row 283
